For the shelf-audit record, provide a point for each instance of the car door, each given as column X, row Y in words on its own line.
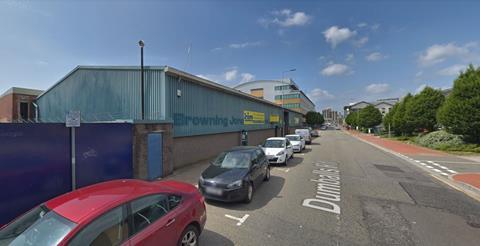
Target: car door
column 255, row 168
column 262, row 162
column 153, row 221
column 289, row 149
column 111, row 228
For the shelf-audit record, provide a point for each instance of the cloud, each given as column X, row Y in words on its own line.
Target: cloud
column 318, row 94
column 361, row 42
column 231, row 74
column 452, row 70
column 438, row 53
column 335, row 69
column 245, row 45
column 362, row 24
column 246, row 77
column 377, row 88
column 419, row 74
column 350, row 57
column 216, row 49
column 286, row 18
column 375, row 56
column 41, row 62
column 335, row 35
column 420, row 88
column 375, row 27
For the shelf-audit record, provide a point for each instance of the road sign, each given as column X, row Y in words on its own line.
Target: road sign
column 73, row 119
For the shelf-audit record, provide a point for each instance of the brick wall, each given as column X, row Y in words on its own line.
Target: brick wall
column 140, row 148
column 6, row 107
column 192, row 149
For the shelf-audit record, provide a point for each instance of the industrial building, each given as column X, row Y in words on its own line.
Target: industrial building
column 383, row 105
column 198, row 118
column 285, row 93
column 17, row 105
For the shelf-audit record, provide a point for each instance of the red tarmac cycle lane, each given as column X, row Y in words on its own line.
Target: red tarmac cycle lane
column 397, row 146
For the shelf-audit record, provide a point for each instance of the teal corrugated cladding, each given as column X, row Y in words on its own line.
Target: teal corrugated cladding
column 203, row 103
column 106, row 94
column 99, row 94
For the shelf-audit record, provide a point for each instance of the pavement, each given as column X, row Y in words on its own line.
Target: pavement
column 345, row 191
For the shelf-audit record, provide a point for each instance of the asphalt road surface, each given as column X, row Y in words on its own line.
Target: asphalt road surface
column 342, row 191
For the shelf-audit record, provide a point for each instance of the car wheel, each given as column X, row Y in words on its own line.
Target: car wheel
column 286, row 160
column 249, row 195
column 267, row 175
column 291, row 157
column 189, row 237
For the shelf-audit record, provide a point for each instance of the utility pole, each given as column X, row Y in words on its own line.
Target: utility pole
column 142, row 44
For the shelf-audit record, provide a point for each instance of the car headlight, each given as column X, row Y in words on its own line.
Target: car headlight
column 280, row 153
column 236, row 184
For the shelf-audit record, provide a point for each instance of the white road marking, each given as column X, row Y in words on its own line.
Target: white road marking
column 283, row 170
column 423, row 164
column 451, row 171
column 240, row 220
column 436, row 170
column 444, row 174
column 429, row 167
column 417, row 161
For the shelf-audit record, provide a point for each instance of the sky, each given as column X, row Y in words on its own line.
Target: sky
column 343, row 51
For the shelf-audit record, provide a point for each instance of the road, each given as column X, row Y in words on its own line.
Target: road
column 375, row 198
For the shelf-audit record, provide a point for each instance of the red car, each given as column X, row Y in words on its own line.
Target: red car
column 120, row 212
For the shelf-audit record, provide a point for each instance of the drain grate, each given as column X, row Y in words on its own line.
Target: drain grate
column 388, row 168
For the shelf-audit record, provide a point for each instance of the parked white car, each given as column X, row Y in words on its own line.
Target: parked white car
column 278, row 150
column 298, row 142
column 305, row 133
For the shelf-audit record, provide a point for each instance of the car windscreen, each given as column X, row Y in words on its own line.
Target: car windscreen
column 274, row 144
column 293, row 138
column 39, row 226
column 234, row 159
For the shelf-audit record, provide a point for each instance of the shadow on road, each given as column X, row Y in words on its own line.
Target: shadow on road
column 261, row 196
column 314, row 143
column 212, row 238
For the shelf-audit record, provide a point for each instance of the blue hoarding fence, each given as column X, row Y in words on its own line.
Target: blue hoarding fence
column 35, row 161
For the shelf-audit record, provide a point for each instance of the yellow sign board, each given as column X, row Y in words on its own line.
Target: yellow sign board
column 274, row 118
column 253, row 118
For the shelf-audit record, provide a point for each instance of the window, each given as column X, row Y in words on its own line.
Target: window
column 147, row 210
column 24, row 111
column 282, row 87
column 260, row 154
column 109, row 229
column 173, row 201
column 39, row 225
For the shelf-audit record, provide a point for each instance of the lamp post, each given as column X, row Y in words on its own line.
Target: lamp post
column 142, row 44
column 283, row 78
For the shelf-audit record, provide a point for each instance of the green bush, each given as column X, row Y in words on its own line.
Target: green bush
column 441, row 140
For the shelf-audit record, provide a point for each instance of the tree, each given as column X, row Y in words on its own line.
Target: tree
column 421, row 111
column 351, row 119
column 314, row 118
column 388, row 118
column 460, row 114
column 400, row 125
column 369, row 117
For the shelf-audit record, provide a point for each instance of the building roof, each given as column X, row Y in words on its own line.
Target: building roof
column 171, row 70
column 285, row 82
column 282, row 81
column 23, row 91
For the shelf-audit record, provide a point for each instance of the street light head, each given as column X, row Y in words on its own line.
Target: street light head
column 141, row 43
